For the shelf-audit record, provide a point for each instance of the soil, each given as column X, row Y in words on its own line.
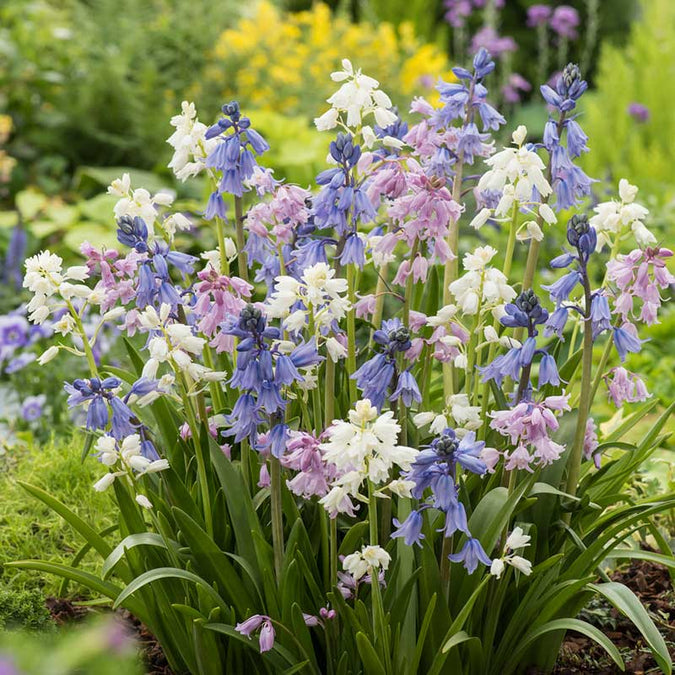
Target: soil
column 652, row 584
column 579, row 655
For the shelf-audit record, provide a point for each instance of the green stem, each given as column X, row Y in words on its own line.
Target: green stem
column 214, row 387
column 351, row 334
column 333, row 551
column 220, row 231
column 201, row 460
column 85, row 340
column 585, row 400
column 277, row 515
column 329, row 408
column 601, row 366
column 372, row 514
column 241, row 241
column 446, row 550
column 380, row 290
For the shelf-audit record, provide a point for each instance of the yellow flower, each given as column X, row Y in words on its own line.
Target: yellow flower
column 282, row 61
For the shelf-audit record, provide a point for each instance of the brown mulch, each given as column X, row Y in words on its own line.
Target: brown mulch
column 67, row 612
column 651, row 583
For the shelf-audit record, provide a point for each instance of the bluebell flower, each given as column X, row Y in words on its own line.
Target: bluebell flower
column 505, row 365
column 374, row 377
column 12, row 270
column 406, row 389
column 455, row 519
column 548, row 371
column 471, row 554
column 410, row 529
column 234, row 155
column 560, row 290
column 103, row 404
column 556, row 323
column 353, row 251
column 277, row 439
column 569, row 182
column 133, row 232
column 625, row 342
column 600, row 314
column 244, row 419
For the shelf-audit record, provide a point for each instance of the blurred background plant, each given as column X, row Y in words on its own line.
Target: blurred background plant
column 631, row 116
column 101, row 647
column 271, row 60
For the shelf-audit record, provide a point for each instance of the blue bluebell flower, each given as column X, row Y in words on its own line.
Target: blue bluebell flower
column 410, row 529
column 548, row 371
column 375, row 377
column 600, row 314
column 406, row 389
column 626, row 342
column 560, row 290
column 234, row 155
column 471, row 554
column 104, row 404
column 556, row 323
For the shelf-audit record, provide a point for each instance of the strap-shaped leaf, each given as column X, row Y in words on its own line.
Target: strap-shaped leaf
column 133, row 540
column 371, row 661
column 577, row 625
column 627, row 603
column 166, row 573
column 90, row 535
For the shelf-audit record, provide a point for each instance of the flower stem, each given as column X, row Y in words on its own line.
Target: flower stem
column 277, row 515
column 379, row 299
column 241, row 241
column 333, row 551
column 220, row 231
column 372, row 514
column 351, row 334
column 329, row 385
column 201, row 459
column 85, row 340
column 585, row 398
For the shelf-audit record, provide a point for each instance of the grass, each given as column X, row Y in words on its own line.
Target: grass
column 29, row 529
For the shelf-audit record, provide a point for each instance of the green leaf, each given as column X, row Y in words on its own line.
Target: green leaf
column 166, row 573
column 457, row 639
column 84, row 579
column 627, row 603
column 211, row 562
column 564, row 625
column 371, row 661
column 636, row 554
column 86, row 531
column 421, row 637
column 133, row 540
column 29, row 203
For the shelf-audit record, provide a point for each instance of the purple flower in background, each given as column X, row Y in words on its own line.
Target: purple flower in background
column 14, row 331
column 640, row 113
column 458, row 12
column 564, row 21
column 515, row 84
column 538, row 15
column 488, row 38
column 32, row 407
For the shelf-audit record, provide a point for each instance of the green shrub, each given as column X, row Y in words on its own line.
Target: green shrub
column 23, row 609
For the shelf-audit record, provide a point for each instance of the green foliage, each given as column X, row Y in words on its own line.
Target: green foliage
column 95, row 82
column 640, row 71
column 29, row 529
column 23, row 609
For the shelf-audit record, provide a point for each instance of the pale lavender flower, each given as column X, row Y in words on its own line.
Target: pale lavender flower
column 640, row 113
column 564, row 21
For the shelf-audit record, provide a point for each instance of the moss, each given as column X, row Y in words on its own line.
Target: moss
column 29, row 529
